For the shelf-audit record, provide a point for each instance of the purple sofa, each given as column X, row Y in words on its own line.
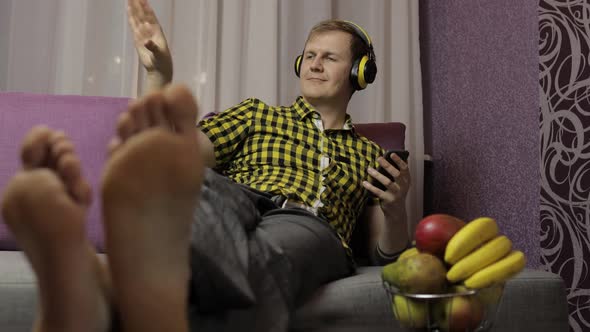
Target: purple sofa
column 357, row 303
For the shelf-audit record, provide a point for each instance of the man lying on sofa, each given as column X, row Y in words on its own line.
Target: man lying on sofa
column 240, row 246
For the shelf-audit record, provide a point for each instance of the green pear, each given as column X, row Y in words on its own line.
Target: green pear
column 409, row 252
column 420, row 273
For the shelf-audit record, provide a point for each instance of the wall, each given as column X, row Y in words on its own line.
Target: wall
column 507, row 111
column 564, row 84
column 479, row 61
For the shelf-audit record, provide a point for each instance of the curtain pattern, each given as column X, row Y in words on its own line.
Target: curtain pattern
column 564, row 49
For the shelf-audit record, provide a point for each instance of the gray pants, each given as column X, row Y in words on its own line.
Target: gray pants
column 253, row 263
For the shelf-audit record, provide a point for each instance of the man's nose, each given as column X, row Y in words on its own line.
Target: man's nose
column 316, row 64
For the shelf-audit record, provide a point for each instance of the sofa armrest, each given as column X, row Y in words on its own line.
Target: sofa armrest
column 534, row 300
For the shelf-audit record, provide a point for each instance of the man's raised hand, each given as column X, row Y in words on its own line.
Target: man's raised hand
column 149, row 38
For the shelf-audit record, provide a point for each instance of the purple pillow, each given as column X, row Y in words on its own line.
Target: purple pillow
column 90, row 123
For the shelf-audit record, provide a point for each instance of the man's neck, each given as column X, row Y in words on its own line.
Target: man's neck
column 333, row 114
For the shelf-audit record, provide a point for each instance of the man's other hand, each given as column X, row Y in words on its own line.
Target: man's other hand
column 396, row 191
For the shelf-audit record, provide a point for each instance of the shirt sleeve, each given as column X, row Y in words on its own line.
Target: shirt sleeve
column 228, row 129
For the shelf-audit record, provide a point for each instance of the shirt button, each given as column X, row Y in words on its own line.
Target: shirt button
column 325, row 162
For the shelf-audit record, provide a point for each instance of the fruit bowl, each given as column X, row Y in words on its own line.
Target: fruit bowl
column 460, row 309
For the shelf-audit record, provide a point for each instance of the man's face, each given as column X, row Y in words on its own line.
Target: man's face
column 325, row 68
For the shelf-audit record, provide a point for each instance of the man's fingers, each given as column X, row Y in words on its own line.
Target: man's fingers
column 379, row 177
column 141, row 11
column 148, row 13
column 135, row 19
column 388, row 167
column 133, row 7
column 399, row 161
column 133, row 22
column 142, row 18
column 376, row 191
column 403, row 174
column 384, row 196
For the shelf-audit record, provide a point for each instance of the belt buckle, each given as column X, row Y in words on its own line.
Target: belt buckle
column 289, row 203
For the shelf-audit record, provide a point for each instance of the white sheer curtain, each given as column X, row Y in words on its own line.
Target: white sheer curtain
column 225, row 50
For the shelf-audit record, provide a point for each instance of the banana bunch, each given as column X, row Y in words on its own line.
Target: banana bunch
column 479, row 256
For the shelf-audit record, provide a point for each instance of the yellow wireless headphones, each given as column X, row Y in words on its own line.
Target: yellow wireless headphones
column 363, row 70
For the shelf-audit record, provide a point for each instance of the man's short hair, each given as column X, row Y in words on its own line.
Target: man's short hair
column 358, row 46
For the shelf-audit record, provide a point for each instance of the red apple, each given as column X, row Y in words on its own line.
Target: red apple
column 434, row 232
column 459, row 313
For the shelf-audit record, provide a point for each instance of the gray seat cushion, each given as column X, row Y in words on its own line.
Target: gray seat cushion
column 356, row 303
column 18, row 297
column 533, row 301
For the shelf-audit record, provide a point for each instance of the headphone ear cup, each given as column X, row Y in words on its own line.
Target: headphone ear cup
column 297, row 66
column 370, row 71
column 354, row 75
column 363, row 72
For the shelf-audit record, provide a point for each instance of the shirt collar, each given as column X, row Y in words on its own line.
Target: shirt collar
column 304, row 110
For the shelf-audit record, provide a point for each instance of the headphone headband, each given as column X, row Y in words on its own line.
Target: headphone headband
column 361, row 33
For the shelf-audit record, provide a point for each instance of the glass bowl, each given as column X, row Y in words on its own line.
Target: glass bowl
column 460, row 309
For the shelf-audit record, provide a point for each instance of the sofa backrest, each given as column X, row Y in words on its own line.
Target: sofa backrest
column 90, row 121
column 389, row 135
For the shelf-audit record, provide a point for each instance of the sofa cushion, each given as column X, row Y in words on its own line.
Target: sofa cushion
column 18, row 297
column 533, row 301
column 350, row 303
column 89, row 121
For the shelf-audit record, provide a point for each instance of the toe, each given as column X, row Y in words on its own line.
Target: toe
column 82, row 192
column 125, row 126
column 61, row 146
column 35, row 147
column 113, row 145
column 181, row 108
column 69, row 168
column 138, row 113
column 154, row 106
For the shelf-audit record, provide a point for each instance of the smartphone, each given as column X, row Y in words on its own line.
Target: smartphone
column 403, row 154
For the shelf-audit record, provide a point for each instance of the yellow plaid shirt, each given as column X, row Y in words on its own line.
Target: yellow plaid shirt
column 285, row 150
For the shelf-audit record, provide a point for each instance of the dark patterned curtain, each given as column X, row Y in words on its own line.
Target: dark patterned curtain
column 564, row 50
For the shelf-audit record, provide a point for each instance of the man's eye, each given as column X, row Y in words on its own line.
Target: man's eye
column 309, row 56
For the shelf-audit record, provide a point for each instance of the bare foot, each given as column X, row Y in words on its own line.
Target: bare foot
column 149, row 191
column 44, row 206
